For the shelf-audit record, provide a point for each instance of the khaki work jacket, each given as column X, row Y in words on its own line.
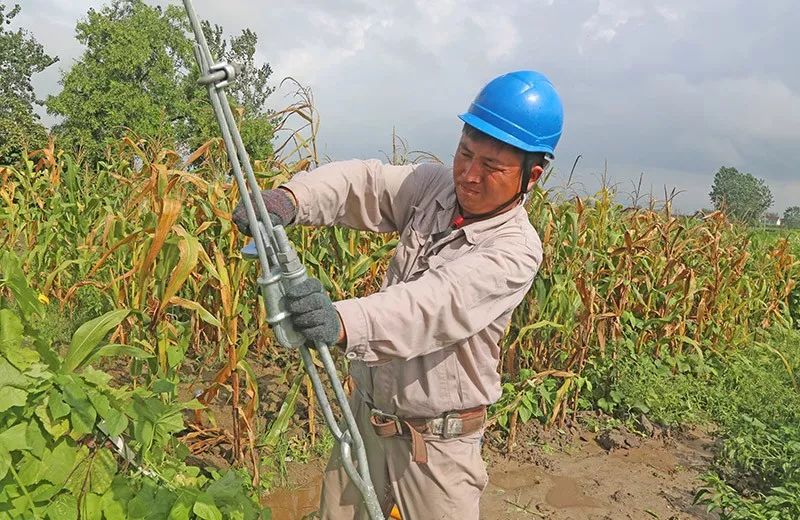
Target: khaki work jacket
column 427, row 342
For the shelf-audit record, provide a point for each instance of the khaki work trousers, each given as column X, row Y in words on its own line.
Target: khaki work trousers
column 449, row 486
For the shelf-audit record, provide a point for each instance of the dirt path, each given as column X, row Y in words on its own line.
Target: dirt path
column 639, row 479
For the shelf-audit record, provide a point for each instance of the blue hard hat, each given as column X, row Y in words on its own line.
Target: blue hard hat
column 521, row 109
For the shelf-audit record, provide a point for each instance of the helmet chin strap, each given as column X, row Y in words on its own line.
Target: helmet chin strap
column 459, row 220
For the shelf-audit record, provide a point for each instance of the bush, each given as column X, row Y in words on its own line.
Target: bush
column 72, row 446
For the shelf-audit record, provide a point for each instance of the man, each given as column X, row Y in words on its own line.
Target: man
column 424, row 350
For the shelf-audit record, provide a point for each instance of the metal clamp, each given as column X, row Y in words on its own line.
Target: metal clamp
column 220, row 74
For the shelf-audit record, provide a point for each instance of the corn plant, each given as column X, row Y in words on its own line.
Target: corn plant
column 149, row 231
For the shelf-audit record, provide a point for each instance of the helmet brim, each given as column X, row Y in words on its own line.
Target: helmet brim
column 501, row 135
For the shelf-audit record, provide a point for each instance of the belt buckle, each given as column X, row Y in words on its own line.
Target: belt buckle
column 448, row 431
column 390, row 417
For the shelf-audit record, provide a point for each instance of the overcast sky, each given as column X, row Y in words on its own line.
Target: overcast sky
column 669, row 89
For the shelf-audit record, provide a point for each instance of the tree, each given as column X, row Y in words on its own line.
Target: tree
column 791, row 217
column 138, row 75
column 740, row 195
column 21, row 56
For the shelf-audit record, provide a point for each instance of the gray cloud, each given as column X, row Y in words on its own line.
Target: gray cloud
column 668, row 89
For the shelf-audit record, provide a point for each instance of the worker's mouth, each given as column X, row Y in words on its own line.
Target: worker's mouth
column 469, row 192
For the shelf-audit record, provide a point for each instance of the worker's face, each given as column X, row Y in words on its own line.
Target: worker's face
column 487, row 174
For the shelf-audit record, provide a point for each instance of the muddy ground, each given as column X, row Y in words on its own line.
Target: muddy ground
column 554, row 474
column 559, row 476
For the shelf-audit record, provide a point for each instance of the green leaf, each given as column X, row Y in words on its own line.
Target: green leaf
column 281, row 421
column 10, row 331
column 86, row 338
column 163, row 386
column 64, row 507
column 182, row 507
column 61, row 462
column 80, row 471
column 35, row 438
column 96, row 377
column 114, row 423
column 11, row 397
column 524, row 414
column 14, row 279
column 47, row 354
column 205, row 508
column 56, row 405
column 141, row 505
column 99, row 401
column 162, row 504
column 44, row 492
column 143, row 431
column 54, row 428
column 30, row 470
column 14, row 438
column 104, row 467
column 117, row 349
column 91, row 506
column 12, row 341
column 201, row 311
column 5, row 462
column 82, row 420
column 194, row 404
column 23, row 506
column 113, row 509
column 226, row 489
column 82, row 413
column 10, row 376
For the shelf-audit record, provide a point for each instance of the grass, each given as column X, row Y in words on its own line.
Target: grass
column 753, row 398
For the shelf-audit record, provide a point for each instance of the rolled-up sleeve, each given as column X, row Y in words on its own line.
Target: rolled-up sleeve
column 363, row 195
column 448, row 304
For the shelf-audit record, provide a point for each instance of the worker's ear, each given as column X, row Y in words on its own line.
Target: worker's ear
column 536, row 172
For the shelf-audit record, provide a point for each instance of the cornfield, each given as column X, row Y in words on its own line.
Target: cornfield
column 150, row 231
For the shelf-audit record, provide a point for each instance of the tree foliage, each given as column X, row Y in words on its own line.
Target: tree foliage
column 740, row 195
column 138, row 75
column 21, row 56
column 791, row 217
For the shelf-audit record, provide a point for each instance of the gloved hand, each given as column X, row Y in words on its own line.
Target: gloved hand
column 313, row 313
column 280, row 207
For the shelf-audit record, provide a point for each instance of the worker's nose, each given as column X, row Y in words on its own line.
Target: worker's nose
column 472, row 171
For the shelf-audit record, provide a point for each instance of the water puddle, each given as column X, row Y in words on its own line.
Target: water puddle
column 511, row 480
column 565, row 493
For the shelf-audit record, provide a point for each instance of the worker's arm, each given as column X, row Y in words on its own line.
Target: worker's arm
column 448, row 304
column 364, row 195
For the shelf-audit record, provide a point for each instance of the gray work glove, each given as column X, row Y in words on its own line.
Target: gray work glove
column 279, row 206
column 313, row 313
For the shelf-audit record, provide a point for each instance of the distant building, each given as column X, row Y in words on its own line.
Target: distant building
column 771, row 219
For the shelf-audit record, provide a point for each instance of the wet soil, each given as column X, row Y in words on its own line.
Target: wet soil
column 564, row 476
column 639, row 478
